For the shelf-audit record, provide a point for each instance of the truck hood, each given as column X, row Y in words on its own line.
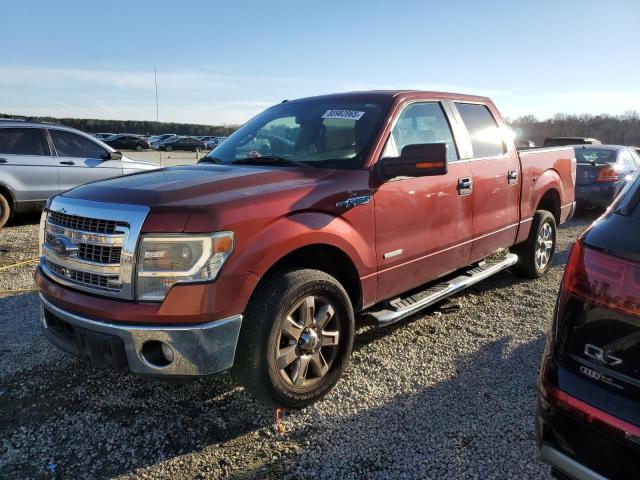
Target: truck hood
column 174, row 194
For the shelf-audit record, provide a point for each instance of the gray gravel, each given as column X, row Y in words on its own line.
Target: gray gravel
column 448, row 393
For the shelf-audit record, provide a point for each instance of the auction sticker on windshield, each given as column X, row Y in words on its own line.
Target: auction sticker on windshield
column 344, row 114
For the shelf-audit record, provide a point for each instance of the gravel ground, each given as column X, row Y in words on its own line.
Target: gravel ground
column 447, row 393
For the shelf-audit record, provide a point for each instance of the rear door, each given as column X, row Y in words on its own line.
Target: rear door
column 496, row 180
column 423, row 224
column 81, row 160
column 27, row 168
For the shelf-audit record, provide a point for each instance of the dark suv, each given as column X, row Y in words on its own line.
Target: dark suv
column 589, row 390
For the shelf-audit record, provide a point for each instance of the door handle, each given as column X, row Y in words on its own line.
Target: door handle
column 512, row 177
column 67, row 162
column 3, row 160
column 465, row 186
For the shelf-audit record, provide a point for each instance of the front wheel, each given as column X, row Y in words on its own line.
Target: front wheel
column 139, row 148
column 168, row 148
column 296, row 338
column 536, row 254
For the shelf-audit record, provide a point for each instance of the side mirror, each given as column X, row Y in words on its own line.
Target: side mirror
column 115, row 155
column 418, row 160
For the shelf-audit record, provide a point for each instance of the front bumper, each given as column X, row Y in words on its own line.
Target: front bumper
column 201, row 349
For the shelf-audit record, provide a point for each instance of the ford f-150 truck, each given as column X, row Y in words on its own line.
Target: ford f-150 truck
column 258, row 258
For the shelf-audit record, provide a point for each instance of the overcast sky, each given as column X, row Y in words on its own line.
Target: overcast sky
column 221, row 62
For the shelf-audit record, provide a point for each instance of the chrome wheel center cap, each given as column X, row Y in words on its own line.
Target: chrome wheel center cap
column 309, row 340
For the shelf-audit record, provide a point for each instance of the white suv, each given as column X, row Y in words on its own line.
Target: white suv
column 39, row 160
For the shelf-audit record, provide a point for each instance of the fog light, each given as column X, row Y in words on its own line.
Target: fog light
column 157, row 354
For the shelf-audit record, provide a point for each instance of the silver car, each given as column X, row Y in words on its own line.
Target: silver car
column 39, row 160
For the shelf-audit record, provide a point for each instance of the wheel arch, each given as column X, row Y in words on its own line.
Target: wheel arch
column 550, row 201
column 326, row 258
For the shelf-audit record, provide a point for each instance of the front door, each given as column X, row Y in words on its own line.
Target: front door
column 81, row 160
column 423, row 224
column 496, row 182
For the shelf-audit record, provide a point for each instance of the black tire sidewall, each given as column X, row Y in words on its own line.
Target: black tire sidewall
column 527, row 251
column 5, row 211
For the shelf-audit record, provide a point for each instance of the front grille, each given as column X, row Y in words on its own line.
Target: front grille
column 85, row 224
column 84, row 278
column 94, row 253
column 99, row 253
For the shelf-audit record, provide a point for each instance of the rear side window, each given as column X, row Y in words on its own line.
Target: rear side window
column 69, row 144
column 486, row 138
column 22, row 141
column 420, row 123
column 627, row 160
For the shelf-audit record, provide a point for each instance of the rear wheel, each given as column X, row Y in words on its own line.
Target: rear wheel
column 296, row 338
column 5, row 210
column 168, row 148
column 536, row 254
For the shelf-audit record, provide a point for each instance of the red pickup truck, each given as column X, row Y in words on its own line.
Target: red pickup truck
column 259, row 257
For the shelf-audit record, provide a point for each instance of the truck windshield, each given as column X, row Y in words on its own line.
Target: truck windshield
column 315, row 133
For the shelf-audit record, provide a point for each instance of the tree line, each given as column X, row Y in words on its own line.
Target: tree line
column 609, row 129
column 140, row 127
column 612, row 129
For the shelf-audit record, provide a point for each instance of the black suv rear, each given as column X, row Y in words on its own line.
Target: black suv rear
column 589, row 402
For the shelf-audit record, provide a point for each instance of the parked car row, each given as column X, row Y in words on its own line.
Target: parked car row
column 165, row 142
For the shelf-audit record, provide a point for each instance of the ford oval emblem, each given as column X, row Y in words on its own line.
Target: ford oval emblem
column 63, row 246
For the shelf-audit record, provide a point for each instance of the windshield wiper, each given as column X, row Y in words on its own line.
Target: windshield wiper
column 270, row 159
column 208, row 159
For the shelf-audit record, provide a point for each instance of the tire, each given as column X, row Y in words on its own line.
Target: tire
column 532, row 253
column 5, row 210
column 168, row 148
column 139, row 148
column 271, row 364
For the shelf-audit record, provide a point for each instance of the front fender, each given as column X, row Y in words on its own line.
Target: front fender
column 295, row 231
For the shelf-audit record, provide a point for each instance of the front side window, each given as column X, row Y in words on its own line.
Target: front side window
column 69, row 144
column 314, row 133
column 421, row 123
column 22, row 141
column 486, row 137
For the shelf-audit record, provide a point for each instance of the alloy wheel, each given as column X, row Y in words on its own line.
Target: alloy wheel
column 308, row 341
column 544, row 246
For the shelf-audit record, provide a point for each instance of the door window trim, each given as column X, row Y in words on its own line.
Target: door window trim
column 54, row 150
column 43, row 136
column 467, row 136
column 447, row 116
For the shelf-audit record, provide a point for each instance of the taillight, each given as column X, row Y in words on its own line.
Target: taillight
column 603, row 279
column 591, row 415
column 607, row 174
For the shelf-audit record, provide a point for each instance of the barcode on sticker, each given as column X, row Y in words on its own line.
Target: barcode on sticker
column 344, row 114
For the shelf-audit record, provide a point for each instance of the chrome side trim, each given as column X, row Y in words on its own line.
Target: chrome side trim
column 133, row 215
column 201, row 349
column 568, row 465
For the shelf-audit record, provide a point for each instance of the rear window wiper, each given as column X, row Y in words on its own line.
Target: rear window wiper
column 270, row 159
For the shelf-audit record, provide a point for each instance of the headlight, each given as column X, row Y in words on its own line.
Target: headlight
column 164, row 260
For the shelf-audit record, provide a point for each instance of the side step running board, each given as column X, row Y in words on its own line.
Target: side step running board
column 400, row 308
